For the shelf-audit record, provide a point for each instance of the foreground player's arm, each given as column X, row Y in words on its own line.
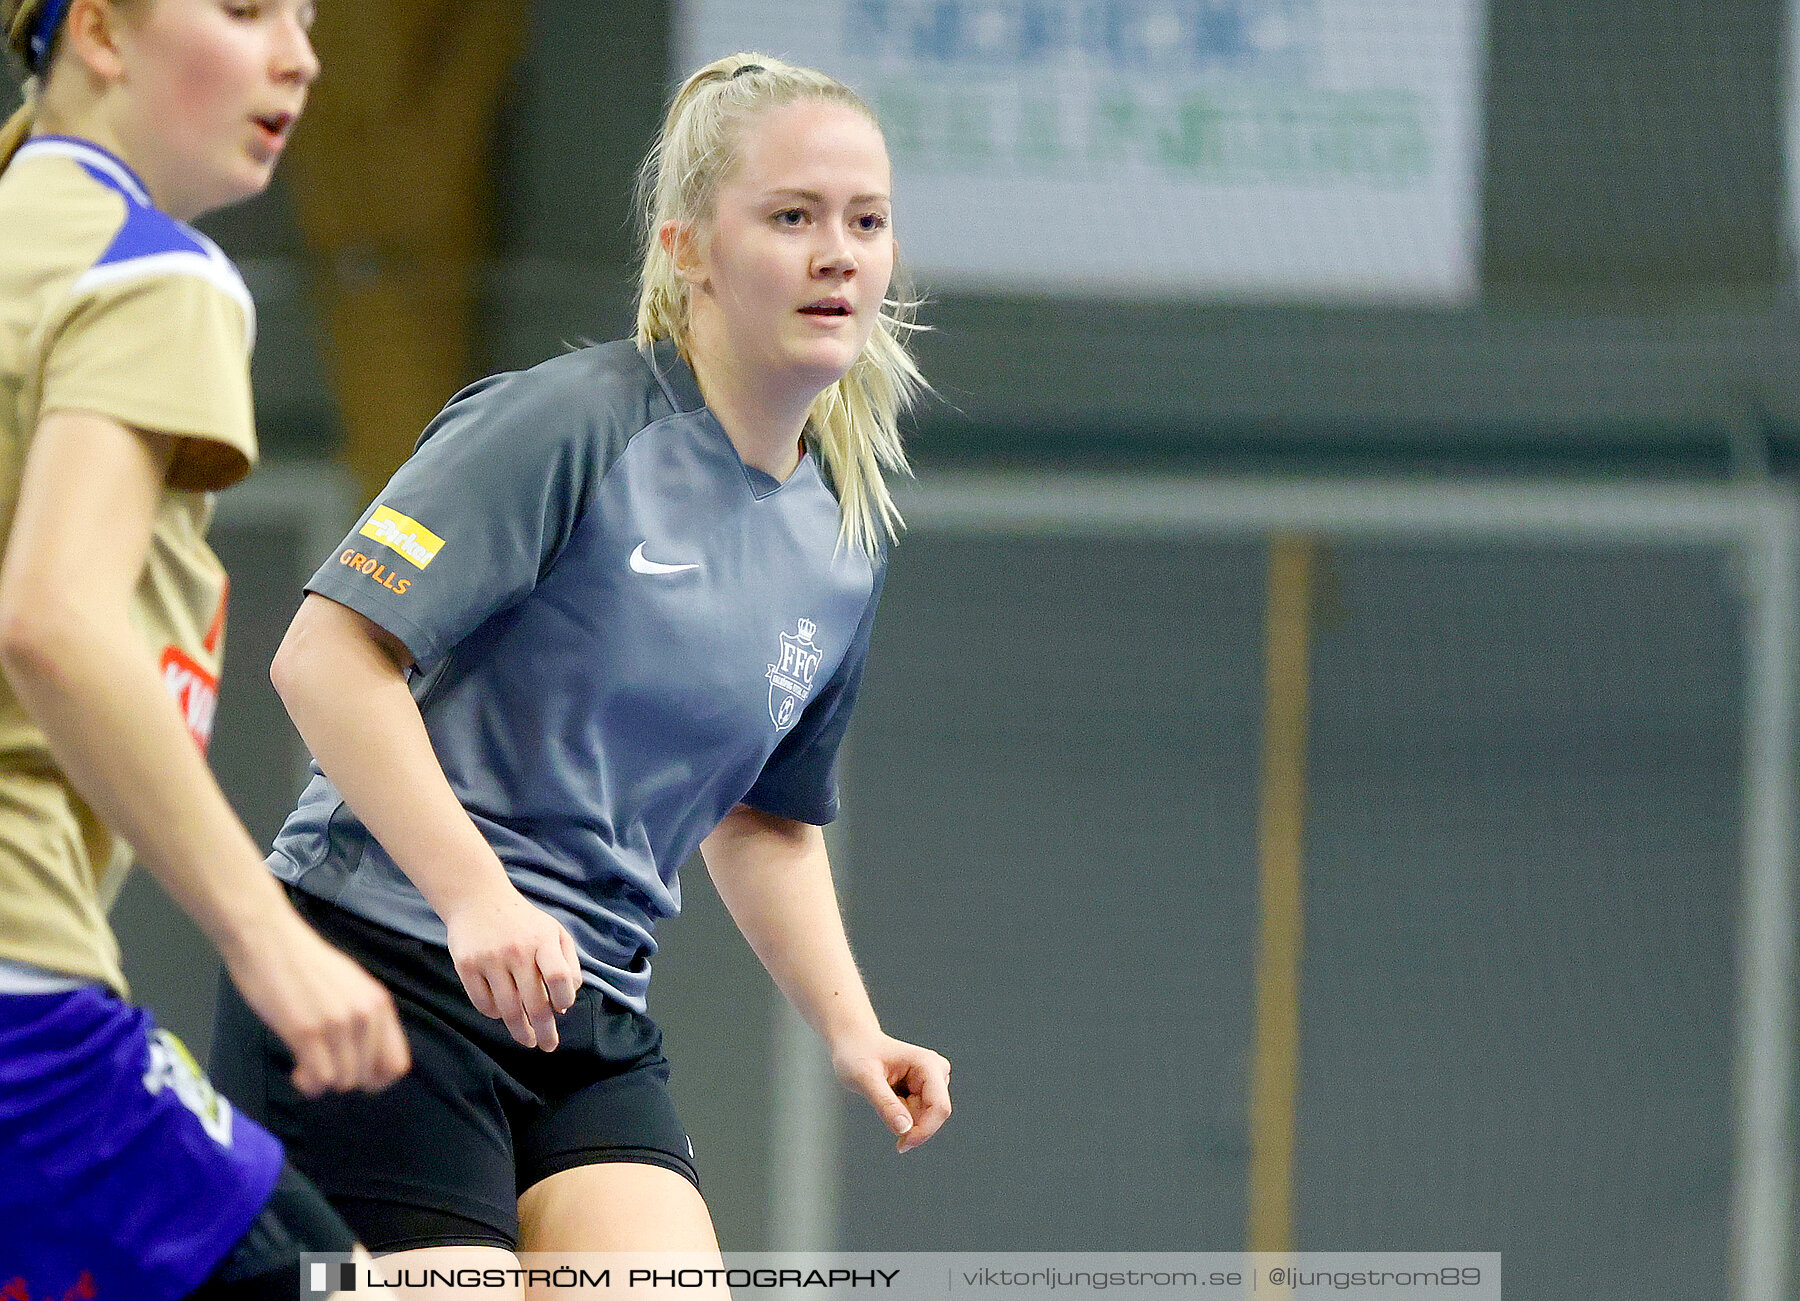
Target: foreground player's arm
column 343, row 680
column 87, row 505
column 775, row 878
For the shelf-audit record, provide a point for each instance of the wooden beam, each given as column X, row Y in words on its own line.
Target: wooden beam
column 1275, row 1063
column 390, row 177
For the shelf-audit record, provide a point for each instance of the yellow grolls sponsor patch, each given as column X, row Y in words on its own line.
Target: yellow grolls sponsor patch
column 411, row 539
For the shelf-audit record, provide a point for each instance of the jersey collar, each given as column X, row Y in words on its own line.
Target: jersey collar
column 109, row 167
column 675, row 376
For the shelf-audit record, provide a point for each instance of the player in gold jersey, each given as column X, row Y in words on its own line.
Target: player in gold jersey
column 124, row 402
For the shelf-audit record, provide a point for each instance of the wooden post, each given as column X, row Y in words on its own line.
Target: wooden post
column 1275, row 1066
column 390, row 179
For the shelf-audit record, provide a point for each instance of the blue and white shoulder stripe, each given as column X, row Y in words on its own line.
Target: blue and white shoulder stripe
column 149, row 242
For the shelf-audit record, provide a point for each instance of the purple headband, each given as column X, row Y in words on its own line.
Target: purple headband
column 43, row 33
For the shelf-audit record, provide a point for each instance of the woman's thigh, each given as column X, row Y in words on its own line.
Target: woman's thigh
column 616, row 1206
column 617, row 1216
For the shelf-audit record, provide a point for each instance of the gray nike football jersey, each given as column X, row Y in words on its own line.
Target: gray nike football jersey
column 621, row 632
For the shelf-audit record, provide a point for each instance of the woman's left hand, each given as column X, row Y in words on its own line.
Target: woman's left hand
column 908, row 1085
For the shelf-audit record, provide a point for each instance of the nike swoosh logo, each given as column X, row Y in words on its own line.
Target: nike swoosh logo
column 644, row 565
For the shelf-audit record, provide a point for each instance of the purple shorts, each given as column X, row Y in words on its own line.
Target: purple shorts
column 123, row 1175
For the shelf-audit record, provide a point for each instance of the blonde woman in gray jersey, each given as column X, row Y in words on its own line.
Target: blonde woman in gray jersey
column 613, row 609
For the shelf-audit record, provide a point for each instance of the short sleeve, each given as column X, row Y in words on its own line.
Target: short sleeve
column 800, row 779
column 164, row 353
column 471, row 522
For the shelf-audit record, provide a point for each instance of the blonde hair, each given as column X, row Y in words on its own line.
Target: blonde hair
column 19, row 17
column 856, row 420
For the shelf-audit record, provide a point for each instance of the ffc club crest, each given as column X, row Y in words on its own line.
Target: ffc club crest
column 791, row 676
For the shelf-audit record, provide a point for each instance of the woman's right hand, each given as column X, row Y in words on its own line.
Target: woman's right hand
column 517, row 963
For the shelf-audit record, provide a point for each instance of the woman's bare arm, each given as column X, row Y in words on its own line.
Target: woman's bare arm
column 87, row 505
column 343, row 680
column 775, row 878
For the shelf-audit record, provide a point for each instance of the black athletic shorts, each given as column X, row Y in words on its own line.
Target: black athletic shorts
column 440, row 1157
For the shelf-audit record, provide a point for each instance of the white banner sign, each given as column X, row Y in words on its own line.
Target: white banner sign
column 1288, row 149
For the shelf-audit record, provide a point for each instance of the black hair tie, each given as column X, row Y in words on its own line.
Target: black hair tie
column 747, row 68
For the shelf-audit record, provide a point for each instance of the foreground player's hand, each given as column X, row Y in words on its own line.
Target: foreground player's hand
column 337, row 1020
column 517, row 964
column 908, row 1085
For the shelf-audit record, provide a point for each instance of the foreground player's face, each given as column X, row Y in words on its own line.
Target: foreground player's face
column 801, row 247
column 213, row 88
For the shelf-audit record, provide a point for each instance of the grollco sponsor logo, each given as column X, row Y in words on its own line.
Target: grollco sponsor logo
column 416, row 543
